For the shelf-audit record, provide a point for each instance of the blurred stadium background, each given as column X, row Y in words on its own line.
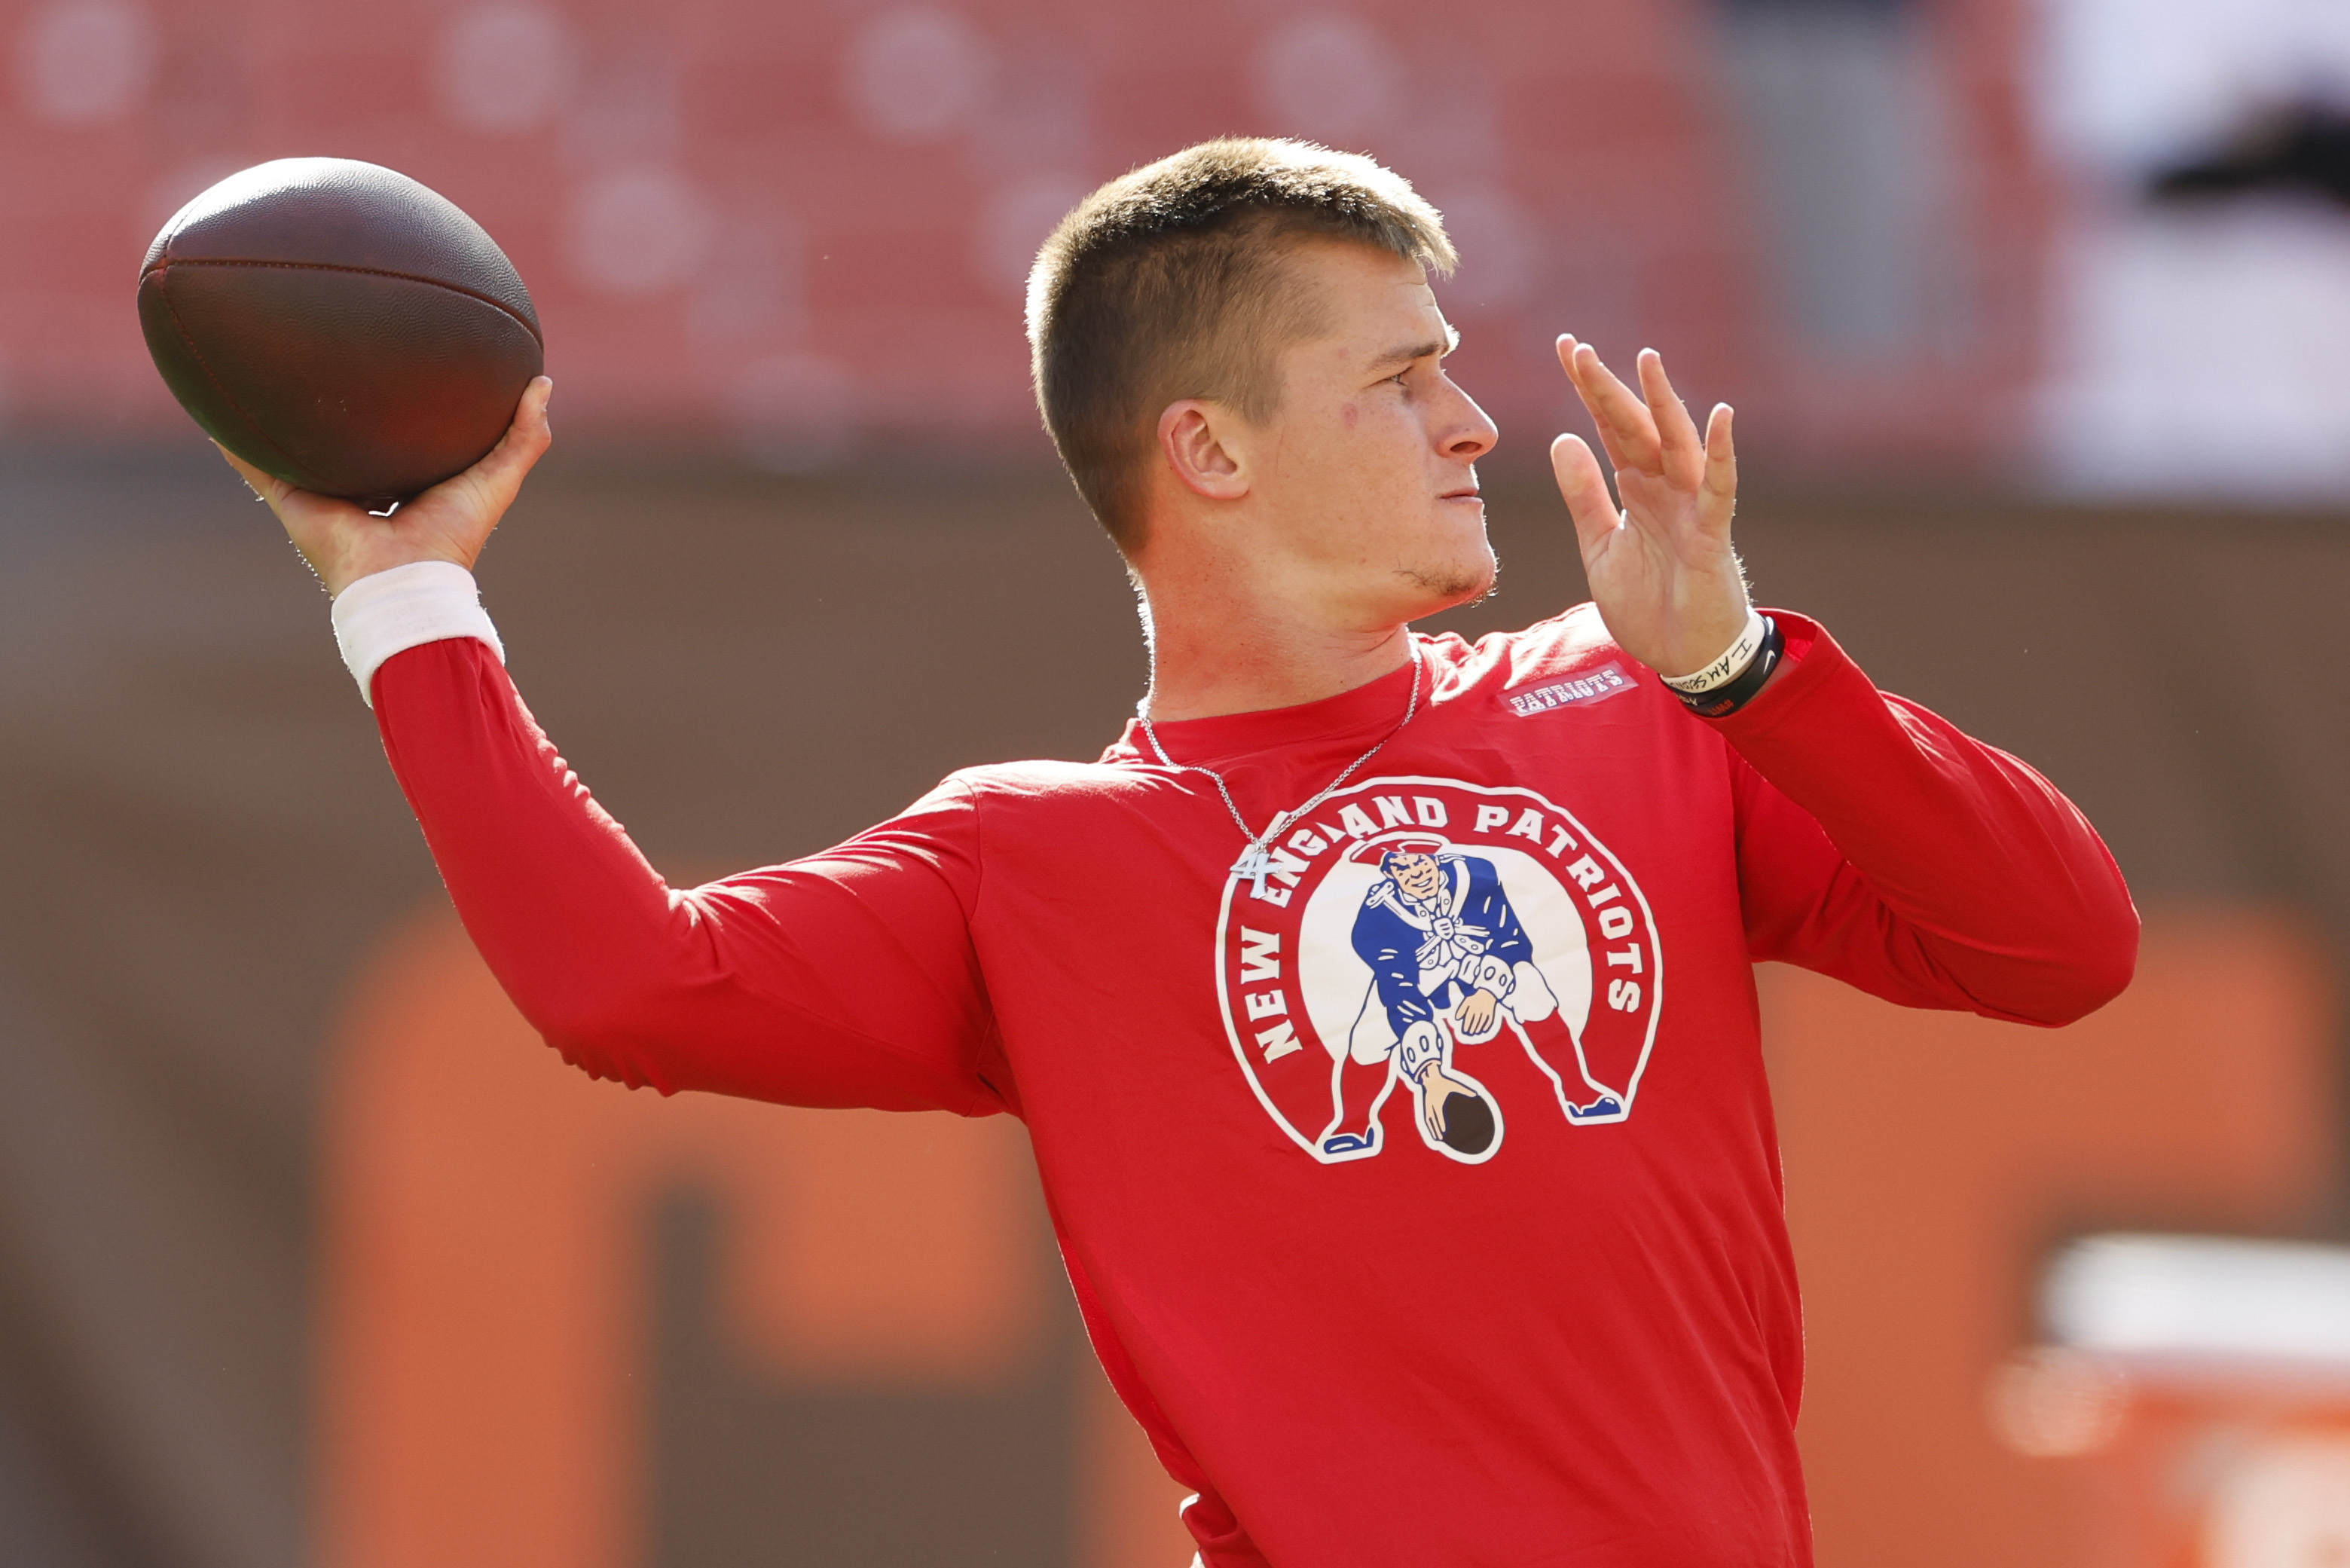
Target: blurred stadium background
column 2037, row 313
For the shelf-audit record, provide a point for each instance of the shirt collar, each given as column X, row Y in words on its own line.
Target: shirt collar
column 1368, row 710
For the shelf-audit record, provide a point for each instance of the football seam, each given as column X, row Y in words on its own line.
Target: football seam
column 189, row 339
column 493, row 303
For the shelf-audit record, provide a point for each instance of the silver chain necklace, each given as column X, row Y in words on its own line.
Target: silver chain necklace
column 1254, row 864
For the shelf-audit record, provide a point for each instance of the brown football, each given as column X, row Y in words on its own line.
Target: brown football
column 339, row 325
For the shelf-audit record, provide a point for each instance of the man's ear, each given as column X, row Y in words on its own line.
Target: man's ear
column 1196, row 438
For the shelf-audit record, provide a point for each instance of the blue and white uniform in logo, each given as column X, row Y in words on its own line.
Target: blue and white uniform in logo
column 1425, row 957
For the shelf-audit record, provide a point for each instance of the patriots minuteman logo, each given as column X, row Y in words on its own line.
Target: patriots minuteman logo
column 1412, row 930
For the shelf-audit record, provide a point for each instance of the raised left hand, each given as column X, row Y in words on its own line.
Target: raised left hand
column 1661, row 569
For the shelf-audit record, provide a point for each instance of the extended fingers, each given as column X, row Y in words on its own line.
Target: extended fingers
column 1683, row 453
column 1721, row 456
column 1627, row 428
column 1584, row 490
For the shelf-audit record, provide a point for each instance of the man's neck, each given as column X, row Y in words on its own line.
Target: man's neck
column 1205, row 661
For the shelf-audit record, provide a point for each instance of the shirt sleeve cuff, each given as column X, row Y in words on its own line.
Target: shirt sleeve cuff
column 1811, row 659
column 392, row 611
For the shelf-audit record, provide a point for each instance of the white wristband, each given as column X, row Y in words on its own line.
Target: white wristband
column 392, row 611
column 1729, row 666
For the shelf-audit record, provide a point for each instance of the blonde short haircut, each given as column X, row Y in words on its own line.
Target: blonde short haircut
column 1173, row 282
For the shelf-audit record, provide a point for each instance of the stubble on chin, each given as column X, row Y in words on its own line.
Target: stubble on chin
column 1456, row 583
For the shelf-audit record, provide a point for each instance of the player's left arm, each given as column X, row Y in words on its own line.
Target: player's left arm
column 1877, row 841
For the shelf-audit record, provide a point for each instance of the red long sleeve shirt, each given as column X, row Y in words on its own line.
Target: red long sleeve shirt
column 1558, row 1324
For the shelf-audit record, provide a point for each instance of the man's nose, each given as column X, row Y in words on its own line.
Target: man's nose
column 1471, row 432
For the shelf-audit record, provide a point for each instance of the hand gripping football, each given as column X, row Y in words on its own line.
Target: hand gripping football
column 339, row 325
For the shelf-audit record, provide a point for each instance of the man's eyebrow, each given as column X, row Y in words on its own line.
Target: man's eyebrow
column 1436, row 348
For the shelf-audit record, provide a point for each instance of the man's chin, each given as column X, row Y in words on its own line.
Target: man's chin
column 1455, row 584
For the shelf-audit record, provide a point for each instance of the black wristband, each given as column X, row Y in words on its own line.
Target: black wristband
column 1730, row 697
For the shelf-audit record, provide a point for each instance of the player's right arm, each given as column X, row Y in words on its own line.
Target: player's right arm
column 847, row 979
